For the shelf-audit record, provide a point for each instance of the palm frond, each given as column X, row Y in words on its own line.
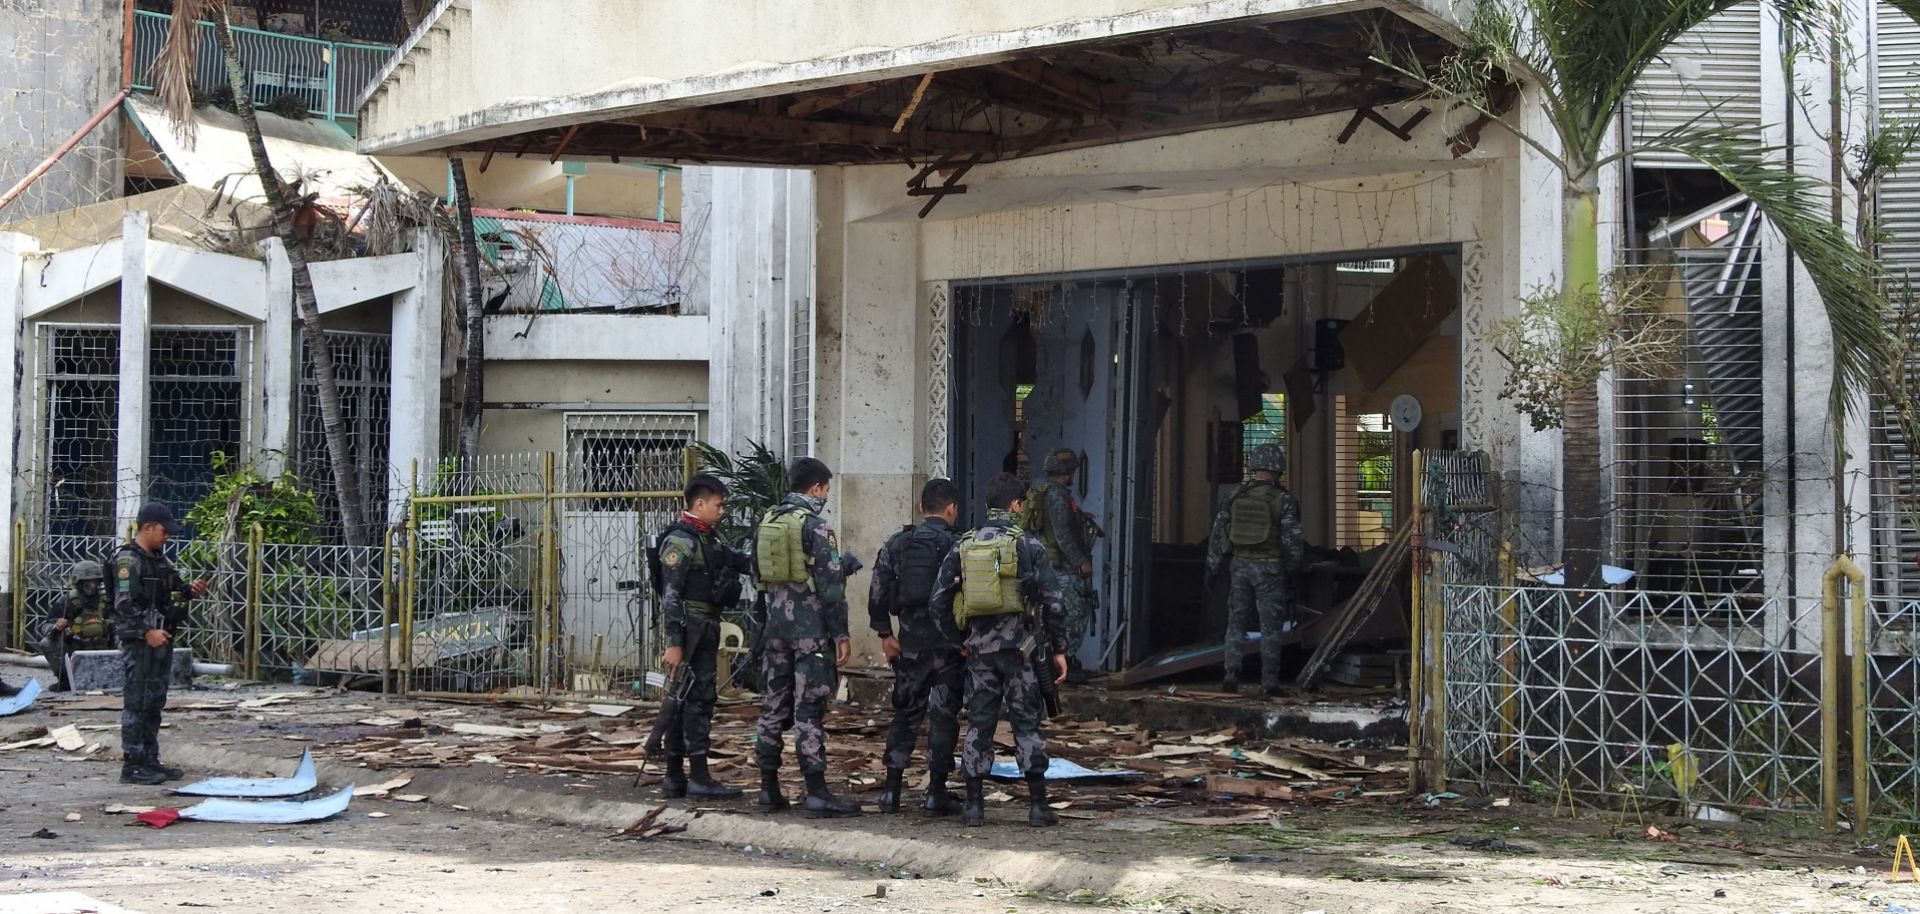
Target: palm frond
column 179, row 58
column 1580, row 57
column 756, row 481
column 1859, row 316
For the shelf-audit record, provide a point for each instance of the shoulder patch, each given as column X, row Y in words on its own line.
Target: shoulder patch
column 670, row 558
column 125, row 572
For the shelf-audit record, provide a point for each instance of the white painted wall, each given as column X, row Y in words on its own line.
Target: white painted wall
column 254, row 293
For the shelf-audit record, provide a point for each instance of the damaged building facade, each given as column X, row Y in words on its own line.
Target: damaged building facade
column 1161, row 233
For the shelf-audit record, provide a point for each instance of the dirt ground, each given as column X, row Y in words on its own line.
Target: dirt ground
column 1380, row 854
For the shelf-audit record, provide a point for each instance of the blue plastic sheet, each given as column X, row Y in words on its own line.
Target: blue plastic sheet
column 303, row 780
column 14, row 704
column 270, row 812
column 1059, row 769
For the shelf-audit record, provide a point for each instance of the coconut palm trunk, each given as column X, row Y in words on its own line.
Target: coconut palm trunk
column 333, row 419
column 473, row 379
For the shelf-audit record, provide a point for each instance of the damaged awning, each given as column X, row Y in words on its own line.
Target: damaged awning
column 318, row 155
column 952, row 85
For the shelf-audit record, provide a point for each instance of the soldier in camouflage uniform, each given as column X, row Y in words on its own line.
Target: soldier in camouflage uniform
column 929, row 674
column 693, row 566
column 1065, row 531
column 80, row 621
column 149, row 606
column 999, row 648
column 805, row 638
column 1258, row 528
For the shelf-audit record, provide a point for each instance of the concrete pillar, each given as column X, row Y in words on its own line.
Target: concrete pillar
column 280, row 360
column 1535, row 254
column 13, row 251
column 413, row 432
column 136, row 315
column 876, row 384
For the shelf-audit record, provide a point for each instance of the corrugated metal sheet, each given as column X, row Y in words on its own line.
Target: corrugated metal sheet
column 1897, row 59
column 1714, row 68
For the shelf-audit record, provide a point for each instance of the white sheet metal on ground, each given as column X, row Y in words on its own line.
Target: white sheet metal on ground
column 1059, row 769
column 302, row 781
column 269, row 812
column 57, row 903
column 14, row 704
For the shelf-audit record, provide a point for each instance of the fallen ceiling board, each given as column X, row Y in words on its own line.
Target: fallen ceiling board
column 303, row 780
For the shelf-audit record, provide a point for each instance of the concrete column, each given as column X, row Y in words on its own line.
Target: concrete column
column 878, row 383
column 13, row 251
column 136, row 316
column 1535, row 254
column 280, row 360
column 414, row 422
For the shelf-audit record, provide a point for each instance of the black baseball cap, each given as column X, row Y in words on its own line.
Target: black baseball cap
column 154, row 512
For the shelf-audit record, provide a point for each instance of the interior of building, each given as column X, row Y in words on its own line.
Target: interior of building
column 1163, row 381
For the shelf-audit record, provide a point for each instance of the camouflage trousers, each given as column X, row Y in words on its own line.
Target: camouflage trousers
column 927, row 685
column 692, row 734
column 148, row 671
column 1076, row 605
column 797, row 680
column 1257, row 585
column 1003, row 678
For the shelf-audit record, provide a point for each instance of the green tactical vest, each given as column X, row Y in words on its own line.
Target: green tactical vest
column 90, row 623
column 1250, row 520
column 778, row 553
column 989, row 577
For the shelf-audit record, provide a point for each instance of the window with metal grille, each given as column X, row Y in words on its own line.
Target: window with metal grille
column 1269, row 426
column 80, row 396
column 1363, row 473
column 1895, row 467
column 363, row 374
column 1689, row 446
column 800, row 379
column 628, row 452
column 196, row 407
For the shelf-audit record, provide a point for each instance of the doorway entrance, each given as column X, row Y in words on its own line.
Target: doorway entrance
column 1164, row 380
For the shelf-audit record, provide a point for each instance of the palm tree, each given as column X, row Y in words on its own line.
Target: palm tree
column 1578, row 60
column 174, row 83
column 472, row 389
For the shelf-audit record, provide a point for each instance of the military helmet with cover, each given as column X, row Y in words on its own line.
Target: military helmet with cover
column 1062, row 462
column 1269, row 457
column 85, row 570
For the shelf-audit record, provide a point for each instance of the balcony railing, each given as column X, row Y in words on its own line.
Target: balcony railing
column 324, row 75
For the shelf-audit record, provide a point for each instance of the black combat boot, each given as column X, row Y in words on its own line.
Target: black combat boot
column 674, row 785
column 142, row 775
column 890, row 794
column 700, row 782
column 8, row 691
column 1230, row 685
column 770, row 795
column 172, row 773
column 939, row 801
column 1039, row 814
column 975, row 812
column 822, row 804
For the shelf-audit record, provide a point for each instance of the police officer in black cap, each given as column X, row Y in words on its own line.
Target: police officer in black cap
column 149, row 605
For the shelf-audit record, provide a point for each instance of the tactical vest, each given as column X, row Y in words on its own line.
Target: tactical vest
column 90, row 622
column 1033, row 519
column 989, row 577
column 917, row 552
column 779, row 555
column 700, row 587
column 1250, row 520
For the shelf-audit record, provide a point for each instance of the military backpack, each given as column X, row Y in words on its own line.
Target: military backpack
column 779, row 555
column 917, row 554
column 989, row 577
